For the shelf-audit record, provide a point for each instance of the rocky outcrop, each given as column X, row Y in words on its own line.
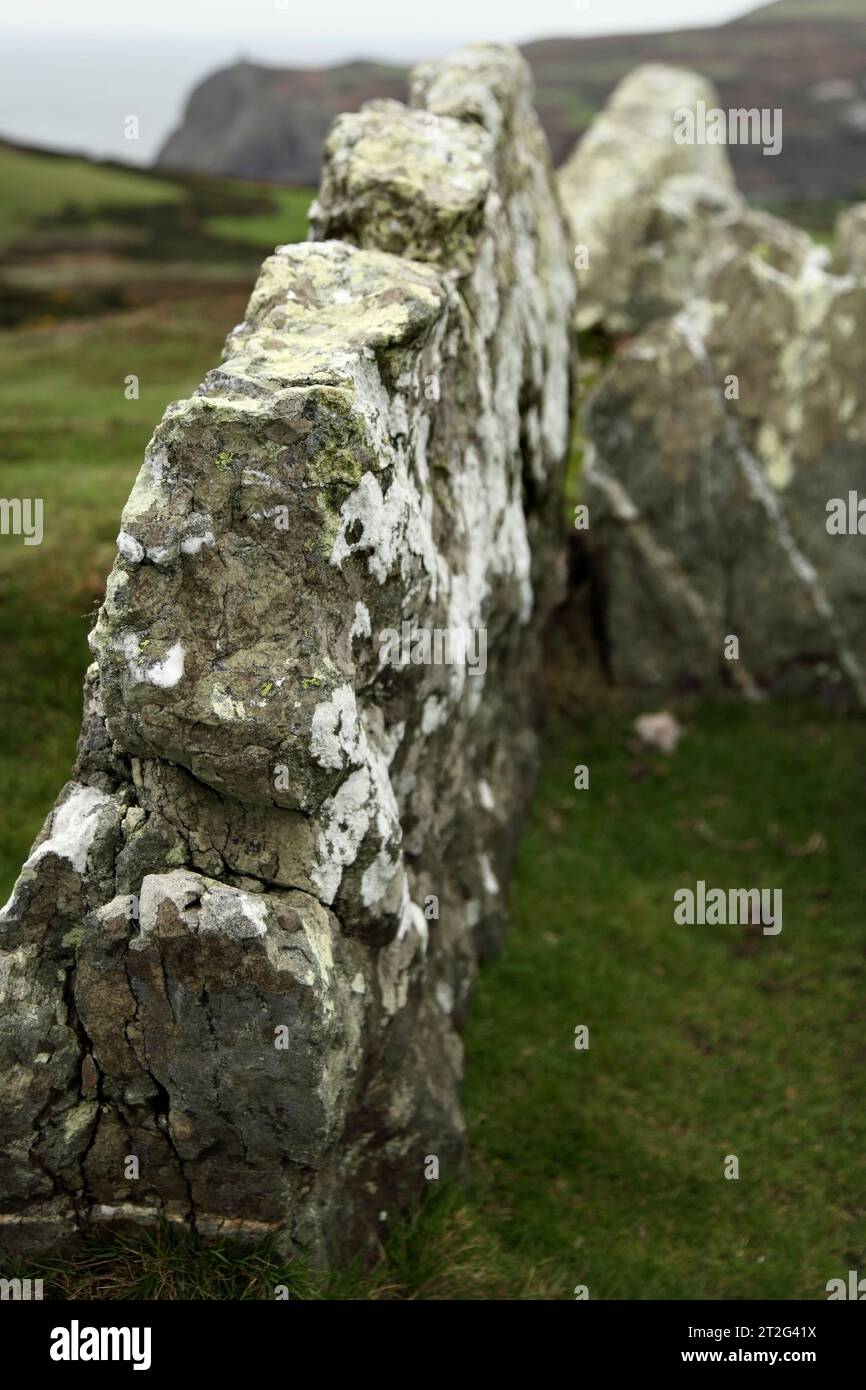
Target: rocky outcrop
column 262, row 122
column 235, row 965
column 717, row 442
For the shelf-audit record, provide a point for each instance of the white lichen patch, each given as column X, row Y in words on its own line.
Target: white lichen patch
column 488, row 877
column 389, row 527
column 336, row 736
column 361, row 623
column 73, row 827
column 191, row 545
column 363, row 806
column 378, row 877
column 131, row 549
column 180, row 888
column 224, row 705
column 147, row 491
column 444, row 996
column 232, row 914
column 165, row 674
column 434, row 714
column 344, row 821
column 201, row 905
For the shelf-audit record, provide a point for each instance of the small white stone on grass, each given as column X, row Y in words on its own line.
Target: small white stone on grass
column 661, row 731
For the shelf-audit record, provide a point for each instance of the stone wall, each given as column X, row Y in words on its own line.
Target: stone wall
column 726, row 427
column 235, row 965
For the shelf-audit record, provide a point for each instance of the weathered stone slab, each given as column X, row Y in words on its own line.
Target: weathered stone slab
column 235, row 966
column 717, row 440
column 610, row 184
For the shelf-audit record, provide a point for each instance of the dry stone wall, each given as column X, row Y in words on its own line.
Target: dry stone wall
column 728, row 434
column 235, row 965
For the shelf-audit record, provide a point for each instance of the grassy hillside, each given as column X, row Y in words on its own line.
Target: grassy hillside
column 40, row 188
column 285, row 220
column 79, row 238
column 775, row 60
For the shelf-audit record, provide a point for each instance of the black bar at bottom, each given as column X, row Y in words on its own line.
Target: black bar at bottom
column 67, row 1339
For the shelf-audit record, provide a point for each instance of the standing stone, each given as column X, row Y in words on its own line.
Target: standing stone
column 610, row 183
column 242, row 948
column 717, row 441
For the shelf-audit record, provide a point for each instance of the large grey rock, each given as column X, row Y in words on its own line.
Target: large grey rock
column 692, row 227
column 275, row 835
column 610, row 185
column 716, row 440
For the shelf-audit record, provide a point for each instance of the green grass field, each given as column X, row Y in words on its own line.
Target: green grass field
column 80, row 239
column 37, row 186
column 286, row 221
column 601, row 1167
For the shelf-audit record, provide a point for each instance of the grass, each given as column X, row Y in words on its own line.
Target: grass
column 704, row 1041
column 79, row 239
column 285, row 222
column 37, row 186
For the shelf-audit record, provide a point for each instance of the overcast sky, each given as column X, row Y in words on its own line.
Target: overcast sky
column 377, row 24
column 71, row 70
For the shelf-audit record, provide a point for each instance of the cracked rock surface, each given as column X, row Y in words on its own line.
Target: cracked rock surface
column 235, row 965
